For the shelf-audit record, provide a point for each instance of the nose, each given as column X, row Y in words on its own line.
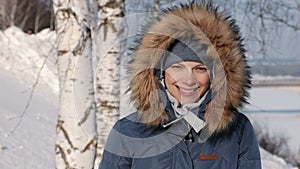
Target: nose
column 189, row 78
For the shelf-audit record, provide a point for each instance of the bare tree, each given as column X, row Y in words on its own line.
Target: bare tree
column 27, row 7
column 43, row 16
column 76, row 125
column 264, row 22
column 7, row 13
column 33, row 15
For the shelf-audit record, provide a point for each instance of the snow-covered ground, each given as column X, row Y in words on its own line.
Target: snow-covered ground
column 32, row 144
column 277, row 110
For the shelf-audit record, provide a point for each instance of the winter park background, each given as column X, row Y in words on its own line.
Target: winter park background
column 27, row 130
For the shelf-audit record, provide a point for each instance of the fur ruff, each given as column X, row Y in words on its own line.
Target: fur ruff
column 201, row 24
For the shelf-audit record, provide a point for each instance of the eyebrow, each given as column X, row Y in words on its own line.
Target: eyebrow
column 199, row 64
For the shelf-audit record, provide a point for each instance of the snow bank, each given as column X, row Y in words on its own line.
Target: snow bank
column 24, row 55
column 270, row 161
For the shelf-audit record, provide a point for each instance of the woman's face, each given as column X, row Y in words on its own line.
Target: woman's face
column 187, row 81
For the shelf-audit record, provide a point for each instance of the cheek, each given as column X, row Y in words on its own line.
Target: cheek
column 204, row 80
column 169, row 80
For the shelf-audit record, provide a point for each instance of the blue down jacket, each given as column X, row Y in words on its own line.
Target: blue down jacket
column 144, row 141
column 128, row 148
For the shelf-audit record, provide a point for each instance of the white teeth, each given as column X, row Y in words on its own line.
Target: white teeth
column 187, row 91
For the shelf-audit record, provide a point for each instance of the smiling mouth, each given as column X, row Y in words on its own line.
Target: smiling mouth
column 185, row 91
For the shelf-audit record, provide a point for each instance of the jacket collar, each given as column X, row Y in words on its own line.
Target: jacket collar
column 197, row 108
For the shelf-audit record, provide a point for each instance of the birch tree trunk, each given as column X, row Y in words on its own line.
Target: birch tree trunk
column 107, row 69
column 13, row 12
column 76, row 125
column 115, row 35
column 38, row 15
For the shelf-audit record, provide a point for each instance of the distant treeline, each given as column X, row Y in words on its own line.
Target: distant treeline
column 278, row 68
column 30, row 15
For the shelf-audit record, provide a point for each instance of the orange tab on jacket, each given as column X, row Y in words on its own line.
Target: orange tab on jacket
column 208, row 157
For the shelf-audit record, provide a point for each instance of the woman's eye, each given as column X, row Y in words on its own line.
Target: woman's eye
column 201, row 69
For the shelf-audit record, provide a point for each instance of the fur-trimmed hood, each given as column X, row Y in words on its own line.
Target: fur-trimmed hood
column 197, row 25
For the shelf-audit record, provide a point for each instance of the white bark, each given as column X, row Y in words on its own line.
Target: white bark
column 107, row 69
column 116, row 33
column 76, row 126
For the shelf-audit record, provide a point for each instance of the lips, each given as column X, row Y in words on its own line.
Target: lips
column 187, row 91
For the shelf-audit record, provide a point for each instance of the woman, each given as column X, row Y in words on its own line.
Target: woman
column 189, row 77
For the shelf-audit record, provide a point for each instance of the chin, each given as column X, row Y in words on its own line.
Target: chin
column 188, row 101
